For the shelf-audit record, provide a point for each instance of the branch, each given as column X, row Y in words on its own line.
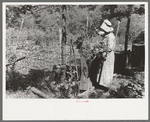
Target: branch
column 38, row 92
column 16, row 61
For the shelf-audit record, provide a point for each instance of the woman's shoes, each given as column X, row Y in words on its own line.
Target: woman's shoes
column 105, row 89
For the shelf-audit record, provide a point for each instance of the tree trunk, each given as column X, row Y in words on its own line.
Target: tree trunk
column 63, row 33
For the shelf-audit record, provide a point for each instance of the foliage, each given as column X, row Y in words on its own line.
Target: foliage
column 140, row 38
column 43, row 17
column 121, row 11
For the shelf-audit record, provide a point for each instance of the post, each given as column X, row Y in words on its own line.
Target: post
column 20, row 28
column 126, row 41
column 127, row 34
column 128, row 26
column 87, row 25
column 70, row 56
column 61, row 47
column 75, row 60
column 117, row 28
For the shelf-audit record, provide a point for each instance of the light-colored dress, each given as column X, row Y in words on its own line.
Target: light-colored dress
column 108, row 65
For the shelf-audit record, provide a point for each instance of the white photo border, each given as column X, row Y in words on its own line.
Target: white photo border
column 64, row 109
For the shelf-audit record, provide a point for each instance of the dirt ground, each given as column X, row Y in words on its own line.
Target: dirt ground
column 122, row 87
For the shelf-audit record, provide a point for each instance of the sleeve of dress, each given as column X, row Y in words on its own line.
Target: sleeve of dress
column 111, row 42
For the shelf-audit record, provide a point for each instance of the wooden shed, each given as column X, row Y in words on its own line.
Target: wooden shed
column 138, row 56
column 138, row 52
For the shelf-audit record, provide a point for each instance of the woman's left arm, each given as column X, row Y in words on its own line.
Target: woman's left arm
column 111, row 41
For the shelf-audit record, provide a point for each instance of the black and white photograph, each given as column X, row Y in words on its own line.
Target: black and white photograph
column 75, row 51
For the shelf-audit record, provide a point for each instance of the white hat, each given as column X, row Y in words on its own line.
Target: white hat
column 107, row 26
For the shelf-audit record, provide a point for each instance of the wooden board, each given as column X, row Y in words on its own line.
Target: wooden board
column 85, row 82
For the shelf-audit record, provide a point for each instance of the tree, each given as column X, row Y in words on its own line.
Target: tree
column 14, row 14
column 122, row 11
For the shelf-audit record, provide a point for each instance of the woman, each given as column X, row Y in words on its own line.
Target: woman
column 102, row 73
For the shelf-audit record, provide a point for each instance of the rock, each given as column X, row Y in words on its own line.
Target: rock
column 53, row 82
column 134, row 89
column 139, row 96
column 143, row 93
column 92, row 94
column 140, row 89
column 135, row 93
column 105, row 95
column 82, row 95
column 129, row 84
column 138, row 85
column 139, row 92
column 129, row 87
column 99, row 93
